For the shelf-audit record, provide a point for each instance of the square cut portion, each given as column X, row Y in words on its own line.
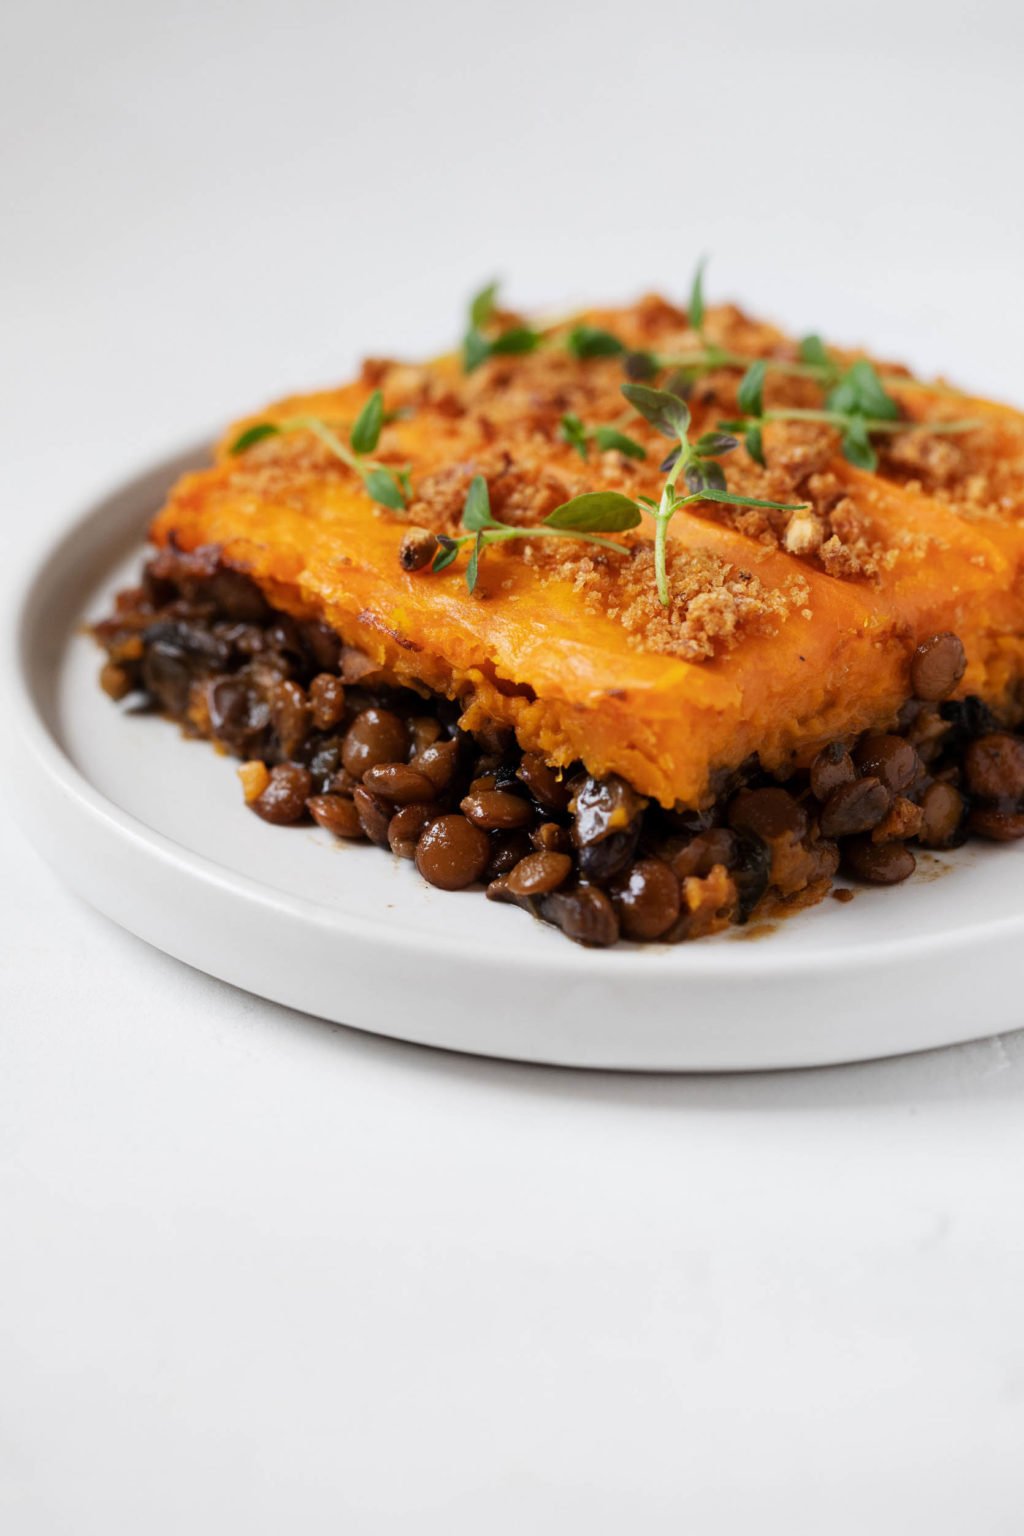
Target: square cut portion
column 781, row 635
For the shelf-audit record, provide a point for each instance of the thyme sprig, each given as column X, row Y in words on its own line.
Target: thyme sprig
column 815, row 363
column 582, row 518
column 388, row 487
column 697, row 464
column 481, row 342
column 857, row 404
column 581, row 437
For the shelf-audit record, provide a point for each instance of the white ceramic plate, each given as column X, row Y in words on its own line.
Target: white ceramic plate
column 150, row 828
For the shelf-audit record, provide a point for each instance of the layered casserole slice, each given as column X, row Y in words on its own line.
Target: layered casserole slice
column 648, row 621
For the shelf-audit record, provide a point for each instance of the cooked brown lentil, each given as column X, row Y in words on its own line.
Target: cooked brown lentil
column 539, row 873
column 937, row 666
column 546, row 784
column 943, row 814
column 997, row 824
column 497, row 811
column 855, row 808
column 769, row 814
column 399, row 782
column 324, row 734
column 290, row 716
column 327, row 701
column 337, row 814
column 405, row 827
column 994, row 767
column 890, row 759
column 877, row 863
column 375, row 736
column 424, row 730
column 284, row 799
column 831, row 769
column 374, row 815
column 585, row 914
column 549, row 837
column 648, row 901
column 507, row 850
column 439, row 763
column 703, row 851
column 452, row 853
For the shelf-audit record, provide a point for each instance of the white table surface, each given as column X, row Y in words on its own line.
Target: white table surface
column 258, row 1274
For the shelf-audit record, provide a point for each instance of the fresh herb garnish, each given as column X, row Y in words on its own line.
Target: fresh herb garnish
column 582, row 438
column 481, row 342
column 695, row 312
column 585, row 341
column 857, row 405
column 582, row 518
column 815, row 362
column 253, row 435
column 606, row 438
column 860, row 392
column 366, row 428
column 815, row 354
column 481, row 306
column 695, row 462
column 386, row 486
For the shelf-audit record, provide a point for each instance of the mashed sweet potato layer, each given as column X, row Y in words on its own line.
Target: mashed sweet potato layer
column 762, row 649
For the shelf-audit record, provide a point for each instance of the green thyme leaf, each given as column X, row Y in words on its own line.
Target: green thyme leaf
column 665, row 411
column 572, row 431
column 476, row 349
column 608, row 437
column 365, row 433
column 704, row 476
column 253, row 435
column 448, row 552
column 857, row 448
column 473, row 567
column 595, row 512
column 711, row 444
column 875, row 398
column 383, row 485
column 476, row 514
column 696, row 308
column 514, row 343
column 754, row 444
column 750, row 395
column 814, row 351
column 860, row 392
column 482, row 306
column 585, row 341
column 714, row 493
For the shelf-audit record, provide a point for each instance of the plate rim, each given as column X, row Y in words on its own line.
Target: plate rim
column 98, row 517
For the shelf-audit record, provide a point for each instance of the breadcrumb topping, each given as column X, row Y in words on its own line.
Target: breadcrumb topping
column 503, row 421
column 713, row 603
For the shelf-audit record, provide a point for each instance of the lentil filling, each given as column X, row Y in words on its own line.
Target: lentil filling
column 325, row 735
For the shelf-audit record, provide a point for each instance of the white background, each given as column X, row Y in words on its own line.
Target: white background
column 258, row 1274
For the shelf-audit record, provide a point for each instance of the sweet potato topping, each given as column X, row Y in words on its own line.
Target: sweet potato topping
column 784, row 630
